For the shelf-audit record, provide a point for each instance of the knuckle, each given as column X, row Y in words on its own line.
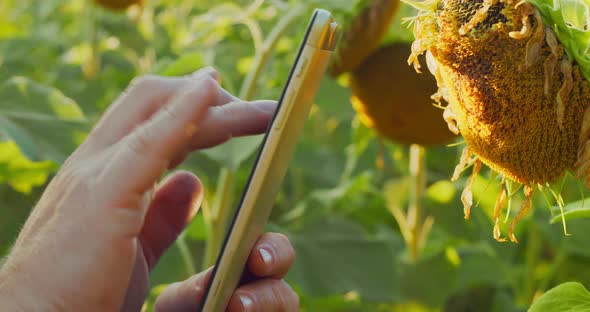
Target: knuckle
column 290, row 297
column 203, row 72
column 71, row 173
column 142, row 83
column 208, row 82
column 208, row 88
column 295, row 301
column 71, row 178
column 280, row 293
column 170, row 110
column 73, row 158
column 139, row 141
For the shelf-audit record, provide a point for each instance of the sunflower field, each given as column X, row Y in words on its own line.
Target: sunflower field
column 444, row 165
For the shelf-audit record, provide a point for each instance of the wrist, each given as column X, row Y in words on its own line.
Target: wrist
column 7, row 297
column 15, row 296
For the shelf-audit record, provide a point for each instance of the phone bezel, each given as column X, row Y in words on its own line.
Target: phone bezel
column 267, row 134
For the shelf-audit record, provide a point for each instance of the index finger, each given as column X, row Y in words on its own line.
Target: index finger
column 142, row 156
column 143, row 98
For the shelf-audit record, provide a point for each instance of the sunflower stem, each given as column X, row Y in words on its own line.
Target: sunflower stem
column 263, row 55
column 92, row 63
column 185, row 255
column 558, row 260
column 219, row 216
column 532, row 253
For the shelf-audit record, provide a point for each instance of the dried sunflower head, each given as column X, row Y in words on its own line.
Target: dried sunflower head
column 514, row 93
column 394, row 100
column 363, row 35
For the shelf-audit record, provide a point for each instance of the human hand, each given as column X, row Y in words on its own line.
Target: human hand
column 264, row 290
column 101, row 224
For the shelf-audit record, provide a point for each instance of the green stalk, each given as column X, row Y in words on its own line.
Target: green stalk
column 92, row 64
column 268, row 47
column 220, row 215
column 418, row 184
column 531, row 257
column 221, row 210
column 185, row 254
column 558, row 261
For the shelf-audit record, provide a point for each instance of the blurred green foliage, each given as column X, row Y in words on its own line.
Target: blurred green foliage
column 63, row 62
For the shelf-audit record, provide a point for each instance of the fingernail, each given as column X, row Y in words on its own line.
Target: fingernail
column 266, row 256
column 211, row 71
column 268, row 107
column 247, row 303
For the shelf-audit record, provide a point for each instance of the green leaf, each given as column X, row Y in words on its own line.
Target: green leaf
column 232, row 153
column 577, row 242
column 396, row 192
column 42, row 121
column 567, row 297
column 319, row 201
column 186, row 64
column 19, row 172
column 331, row 253
column 35, row 56
column 338, row 5
column 361, row 137
column 576, row 210
column 125, row 29
column 434, row 279
column 197, row 230
column 336, row 303
column 441, row 192
column 334, row 100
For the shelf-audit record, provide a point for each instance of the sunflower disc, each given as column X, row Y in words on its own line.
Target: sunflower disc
column 390, row 97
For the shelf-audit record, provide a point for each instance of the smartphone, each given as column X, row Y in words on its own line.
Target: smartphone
column 273, row 159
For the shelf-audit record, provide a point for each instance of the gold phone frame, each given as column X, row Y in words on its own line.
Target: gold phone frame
column 273, row 160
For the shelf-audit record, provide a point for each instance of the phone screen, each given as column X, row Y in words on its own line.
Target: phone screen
column 296, row 63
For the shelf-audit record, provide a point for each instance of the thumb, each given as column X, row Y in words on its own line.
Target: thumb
column 174, row 204
column 184, row 296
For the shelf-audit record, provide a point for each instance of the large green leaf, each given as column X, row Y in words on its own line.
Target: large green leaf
column 334, row 100
column 184, row 65
column 18, row 171
column 337, row 303
column 42, row 121
column 434, row 279
column 34, row 56
column 122, row 27
column 231, row 154
column 197, row 229
column 567, row 297
column 576, row 210
column 336, row 256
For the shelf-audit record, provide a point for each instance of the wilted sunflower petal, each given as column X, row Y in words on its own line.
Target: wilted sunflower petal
column 526, row 205
column 467, row 196
column 500, row 201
